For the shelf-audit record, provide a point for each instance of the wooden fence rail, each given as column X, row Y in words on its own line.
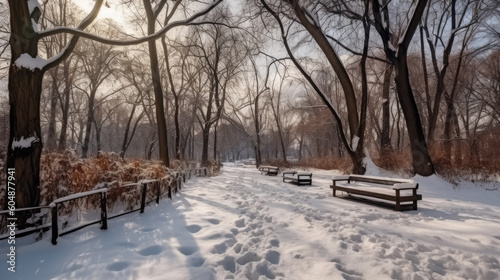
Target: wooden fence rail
column 174, row 186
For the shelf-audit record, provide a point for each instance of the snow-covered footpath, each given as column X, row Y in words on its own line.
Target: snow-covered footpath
column 243, row 225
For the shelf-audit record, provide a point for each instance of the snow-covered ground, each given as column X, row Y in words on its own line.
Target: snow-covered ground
column 243, row 225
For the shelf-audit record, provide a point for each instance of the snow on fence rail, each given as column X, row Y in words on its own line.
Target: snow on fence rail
column 41, row 214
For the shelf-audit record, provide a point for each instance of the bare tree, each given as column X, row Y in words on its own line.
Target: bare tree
column 26, row 73
column 457, row 21
column 216, row 48
column 98, row 64
column 397, row 55
column 308, row 13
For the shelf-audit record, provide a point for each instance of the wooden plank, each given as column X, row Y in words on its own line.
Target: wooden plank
column 398, row 198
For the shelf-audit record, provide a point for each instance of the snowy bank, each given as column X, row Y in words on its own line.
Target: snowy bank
column 242, row 225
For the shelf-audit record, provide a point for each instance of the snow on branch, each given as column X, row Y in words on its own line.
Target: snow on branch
column 32, row 63
column 33, row 5
column 154, row 36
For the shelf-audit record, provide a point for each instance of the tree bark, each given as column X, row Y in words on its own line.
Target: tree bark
column 25, row 88
column 54, row 92
column 158, row 92
column 385, row 139
column 64, row 100
column 25, row 143
column 355, row 129
column 421, row 159
column 88, row 124
column 258, row 154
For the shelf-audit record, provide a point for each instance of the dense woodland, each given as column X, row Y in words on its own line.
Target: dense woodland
column 414, row 85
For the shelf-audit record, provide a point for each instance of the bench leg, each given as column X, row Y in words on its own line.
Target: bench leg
column 334, row 192
column 398, row 202
column 415, row 201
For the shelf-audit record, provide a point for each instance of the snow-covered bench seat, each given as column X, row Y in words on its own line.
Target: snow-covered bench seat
column 396, row 190
column 269, row 170
column 297, row 178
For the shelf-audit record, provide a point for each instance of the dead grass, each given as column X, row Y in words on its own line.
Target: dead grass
column 466, row 168
column 63, row 174
column 395, row 161
column 326, row 163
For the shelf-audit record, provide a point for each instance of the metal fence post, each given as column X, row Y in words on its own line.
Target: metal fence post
column 170, row 190
column 158, row 192
column 55, row 227
column 104, row 211
column 143, row 197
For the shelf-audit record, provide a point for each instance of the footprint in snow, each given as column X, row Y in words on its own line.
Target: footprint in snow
column 118, row 266
column 221, row 248
column 273, row 257
column 237, row 248
column 228, row 264
column 193, row 228
column 147, row 229
column 274, row 242
column 187, row 250
column 240, row 223
column 195, row 261
column 247, row 258
column 126, row 244
column 235, row 231
column 347, row 273
column 213, row 221
column 151, row 251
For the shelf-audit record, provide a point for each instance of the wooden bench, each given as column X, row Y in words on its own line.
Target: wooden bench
column 269, row 170
column 396, row 190
column 297, row 178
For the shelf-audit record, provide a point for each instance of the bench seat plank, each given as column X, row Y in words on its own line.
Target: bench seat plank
column 382, row 193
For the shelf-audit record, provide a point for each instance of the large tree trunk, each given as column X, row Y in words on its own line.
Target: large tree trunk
column 258, row 155
column 54, row 92
column 448, row 128
column 160, row 108
column 25, row 144
column 155, row 75
column 331, row 55
column 385, row 139
column 65, row 107
column 204, row 150
column 98, row 139
column 422, row 162
column 25, row 88
column 178, row 153
column 88, row 126
column 215, row 140
column 127, row 130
